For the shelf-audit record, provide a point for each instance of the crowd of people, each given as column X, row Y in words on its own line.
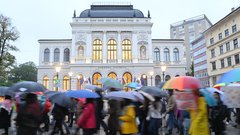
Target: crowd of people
column 125, row 117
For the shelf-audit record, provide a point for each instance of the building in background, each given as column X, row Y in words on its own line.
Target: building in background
column 109, row 41
column 223, row 49
column 188, row 30
column 199, row 56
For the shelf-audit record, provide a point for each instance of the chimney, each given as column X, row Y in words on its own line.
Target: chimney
column 232, row 9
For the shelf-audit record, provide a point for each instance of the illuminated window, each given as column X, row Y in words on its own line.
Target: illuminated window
column 112, row 49
column 176, row 54
column 95, row 78
column 46, row 55
column 66, row 83
column 143, row 52
column 80, row 52
column 56, row 55
column 46, row 82
column 97, row 49
column 127, row 78
column 156, row 54
column 66, row 55
column 126, row 50
column 112, row 75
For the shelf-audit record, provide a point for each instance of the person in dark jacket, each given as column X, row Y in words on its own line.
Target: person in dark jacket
column 59, row 113
column 29, row 116
column 5, row 114
column 218, row 114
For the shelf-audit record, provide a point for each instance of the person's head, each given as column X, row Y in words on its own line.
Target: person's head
column 89, row 100
column 127, row 102
column 8, row 97
column 30, row 98
column 217, row 96
column 170, row 92
column 196, row 92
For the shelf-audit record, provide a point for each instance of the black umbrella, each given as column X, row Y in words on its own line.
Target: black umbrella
column 27, row 86
column 59, row 98
column 5, row 91
column 154, row 91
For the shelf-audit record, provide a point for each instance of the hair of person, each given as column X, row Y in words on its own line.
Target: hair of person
column 8, row 97
column 31, row 98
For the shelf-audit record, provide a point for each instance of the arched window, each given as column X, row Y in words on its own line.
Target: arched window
column 66, row 55
column 157, row 80
column 127, row 78
column 54, row 83
column 95, row 78
column 167, row 77
column 112, row 49
column 66, row 83
column 46, row 82
column 80, row 80
column 112, row 75
column 46, row 55
column 80, row 52
column 143, row 52
column 156, row 54
column 177, row 75
column 56, row 55
column 144, row 80
column 126, row 50
column 166, row 54
column 176, row 54
column 97, row 49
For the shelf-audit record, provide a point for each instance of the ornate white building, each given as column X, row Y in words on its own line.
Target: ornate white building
column 109, row 40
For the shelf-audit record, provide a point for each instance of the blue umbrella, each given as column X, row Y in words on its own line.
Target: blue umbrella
column 27, row 86
column 5, row 91
column 82, row 94
column 134, row 85
column 208, row 96
column 230, row 76
column 60, row 98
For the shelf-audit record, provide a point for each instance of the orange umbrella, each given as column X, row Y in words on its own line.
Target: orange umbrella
column 183, row 82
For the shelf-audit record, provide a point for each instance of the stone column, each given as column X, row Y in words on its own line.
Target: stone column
column 135, row 50
column 73, row 50
column 150, row 51
column 88, row 48
column 119, row 48
column 104, row 51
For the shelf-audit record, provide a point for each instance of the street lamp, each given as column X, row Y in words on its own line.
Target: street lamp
column 70, row 79
column 78, row 77
column 163, row 71
column 144, row 79
column 57, row 68
column 151, row 74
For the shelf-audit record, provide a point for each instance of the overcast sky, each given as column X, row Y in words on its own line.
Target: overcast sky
column 47, row 19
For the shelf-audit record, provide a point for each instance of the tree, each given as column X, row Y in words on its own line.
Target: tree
column 24, row 72
column 8, row 34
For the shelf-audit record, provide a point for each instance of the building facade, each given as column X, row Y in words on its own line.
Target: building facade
column 223, row 50
column 199, row 50
column 109, row 41
column 188, row 30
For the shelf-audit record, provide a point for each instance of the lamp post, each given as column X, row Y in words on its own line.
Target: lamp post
column 151, row 74
column 57, row 68
column 70, row 79
column 79, row 77
column 144, row 78
column 163, row 71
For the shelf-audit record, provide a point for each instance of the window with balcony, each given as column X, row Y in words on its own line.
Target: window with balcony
column 46, row 55
column 97, row 50
column 211, row 41
column 234, row 28
column 56, row 55
column 166, row 55
column 228, row 46
column 112, row 49
column 229, row 61
column 222, row 63
column 156, row 54
column 212, row 53
column 126, row 50
column 235, row 43
column 226, row 32
column 176, row 54
column 221, row 49
column 66, row 57
column 214, row 65
column 236, row 57
column 220, row 36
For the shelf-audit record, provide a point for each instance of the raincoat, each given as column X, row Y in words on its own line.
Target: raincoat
column 128, row 120
column 199, row 119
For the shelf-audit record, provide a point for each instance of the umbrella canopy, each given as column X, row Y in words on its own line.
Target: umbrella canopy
column 133, row 85
column 27, row 86
column 154, row 91
column 92, row 87
column 161, row 85
column 182, row 83
column 60, row 99
column 230, row 76
column 119, row 95
column 138, row 96
column 82, row 94
column 111, row 83
column 209, row 98
column 5, row 91
column 148, row 96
